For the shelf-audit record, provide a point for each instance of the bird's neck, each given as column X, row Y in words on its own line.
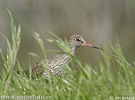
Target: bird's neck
column 73, row 49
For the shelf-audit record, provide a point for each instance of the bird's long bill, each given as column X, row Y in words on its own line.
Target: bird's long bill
column 91, row 45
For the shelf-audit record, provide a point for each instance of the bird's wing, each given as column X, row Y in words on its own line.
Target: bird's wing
column 54, row 64
column 57, row 62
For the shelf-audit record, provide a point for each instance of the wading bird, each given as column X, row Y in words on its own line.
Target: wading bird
column 57, row 63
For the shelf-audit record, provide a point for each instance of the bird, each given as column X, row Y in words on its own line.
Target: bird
column 56, row 64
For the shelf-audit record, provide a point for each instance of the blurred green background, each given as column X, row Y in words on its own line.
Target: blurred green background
column 98, row 21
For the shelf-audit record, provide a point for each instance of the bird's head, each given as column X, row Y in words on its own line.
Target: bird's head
column 77, row 41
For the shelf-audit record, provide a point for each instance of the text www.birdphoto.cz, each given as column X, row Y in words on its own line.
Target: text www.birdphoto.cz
column 26, row 97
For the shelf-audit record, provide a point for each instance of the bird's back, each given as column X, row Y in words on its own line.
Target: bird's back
column 55, row 65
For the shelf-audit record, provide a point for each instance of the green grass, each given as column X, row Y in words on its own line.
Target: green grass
column 115, row 76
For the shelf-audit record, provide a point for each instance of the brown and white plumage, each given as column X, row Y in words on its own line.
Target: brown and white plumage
column 58, row 62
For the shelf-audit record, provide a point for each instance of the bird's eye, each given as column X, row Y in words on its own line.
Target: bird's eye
column 77, row 39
